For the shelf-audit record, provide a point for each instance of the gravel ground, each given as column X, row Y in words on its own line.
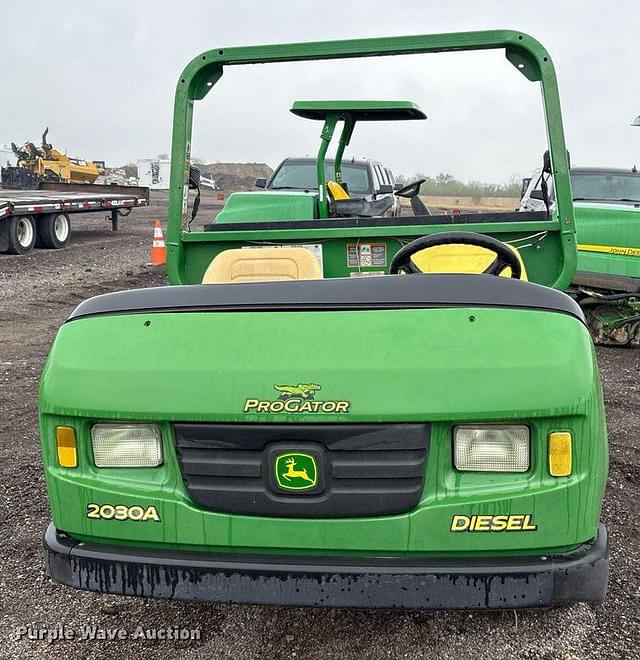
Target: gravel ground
column 38, row 292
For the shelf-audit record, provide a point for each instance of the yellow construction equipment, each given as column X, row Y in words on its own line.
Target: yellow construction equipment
column 45, row 163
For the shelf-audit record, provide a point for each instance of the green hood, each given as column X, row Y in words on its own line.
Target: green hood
column 390, row 364
column 438, row 366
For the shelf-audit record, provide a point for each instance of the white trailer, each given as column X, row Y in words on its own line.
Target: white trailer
column 7, row 157
column 154, row 173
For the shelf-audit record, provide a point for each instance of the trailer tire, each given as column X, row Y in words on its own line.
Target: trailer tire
column 21, row 234
column 54, row 231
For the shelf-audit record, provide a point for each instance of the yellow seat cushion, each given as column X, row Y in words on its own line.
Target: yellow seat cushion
column 263, row 264
column 460, row 259
column 336, row 191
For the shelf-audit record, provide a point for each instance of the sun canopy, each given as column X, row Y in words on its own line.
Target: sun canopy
column 358, row 110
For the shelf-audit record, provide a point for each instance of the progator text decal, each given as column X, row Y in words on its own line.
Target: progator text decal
column 296, row 399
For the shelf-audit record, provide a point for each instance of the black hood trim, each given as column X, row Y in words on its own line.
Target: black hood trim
column 363, row 293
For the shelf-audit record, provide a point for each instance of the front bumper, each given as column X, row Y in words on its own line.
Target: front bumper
column 394, row 582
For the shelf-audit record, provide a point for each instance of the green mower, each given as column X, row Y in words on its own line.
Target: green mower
column 332, row 407
column 607, row 216
column 607, row 280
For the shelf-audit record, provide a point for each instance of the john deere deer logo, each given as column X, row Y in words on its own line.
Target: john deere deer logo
column 295, row 474
column 296, row 471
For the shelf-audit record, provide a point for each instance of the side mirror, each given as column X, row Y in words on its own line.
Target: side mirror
column 546, row 161
column 537, row 194
column 261, row 182
column 385, row 189
column 194, row 177
column 194, row 184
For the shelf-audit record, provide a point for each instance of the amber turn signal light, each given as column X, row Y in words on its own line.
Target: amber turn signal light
column 560, row 454
column 67, row 446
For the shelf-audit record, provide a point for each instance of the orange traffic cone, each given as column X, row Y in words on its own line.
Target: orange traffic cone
column 158, row 248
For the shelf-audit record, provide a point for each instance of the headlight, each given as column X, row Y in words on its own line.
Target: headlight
column 126, row 445
column 491, row 448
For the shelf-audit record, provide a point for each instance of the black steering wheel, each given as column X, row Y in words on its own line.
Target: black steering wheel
column 410, row 190
column 505, row 256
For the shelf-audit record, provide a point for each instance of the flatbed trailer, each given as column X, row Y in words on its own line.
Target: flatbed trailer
column 41, row 218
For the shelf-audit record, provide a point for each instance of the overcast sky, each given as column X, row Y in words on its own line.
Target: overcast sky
column 102, row 77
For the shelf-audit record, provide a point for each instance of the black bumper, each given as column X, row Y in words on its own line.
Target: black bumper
column 461, row 583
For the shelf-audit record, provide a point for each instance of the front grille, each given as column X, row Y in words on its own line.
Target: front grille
column 363, row 469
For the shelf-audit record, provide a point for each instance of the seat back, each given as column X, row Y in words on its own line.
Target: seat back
column 460, row 259
column 263, row 264
column 337, row 191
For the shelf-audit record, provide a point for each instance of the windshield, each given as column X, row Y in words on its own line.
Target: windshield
column 606, row 186
column 302, row 175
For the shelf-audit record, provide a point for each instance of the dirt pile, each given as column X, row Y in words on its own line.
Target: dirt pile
column 236, row 176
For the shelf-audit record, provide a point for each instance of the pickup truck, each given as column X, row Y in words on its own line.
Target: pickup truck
column 364, row 178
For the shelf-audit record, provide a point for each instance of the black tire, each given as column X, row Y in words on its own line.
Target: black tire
column 54, row 231
column 21, row 234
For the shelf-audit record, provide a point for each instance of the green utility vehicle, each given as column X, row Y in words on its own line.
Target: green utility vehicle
column 432, row 436
column 607, row 216
column 607, row 282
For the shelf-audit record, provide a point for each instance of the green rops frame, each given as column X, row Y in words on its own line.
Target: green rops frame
column 190, row 252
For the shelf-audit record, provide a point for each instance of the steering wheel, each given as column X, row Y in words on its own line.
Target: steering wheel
column 505, row 256
column 410, row 190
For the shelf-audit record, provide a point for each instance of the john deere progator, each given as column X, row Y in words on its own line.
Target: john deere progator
column 607, row 216
column 429, row 436
column 607, row 281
